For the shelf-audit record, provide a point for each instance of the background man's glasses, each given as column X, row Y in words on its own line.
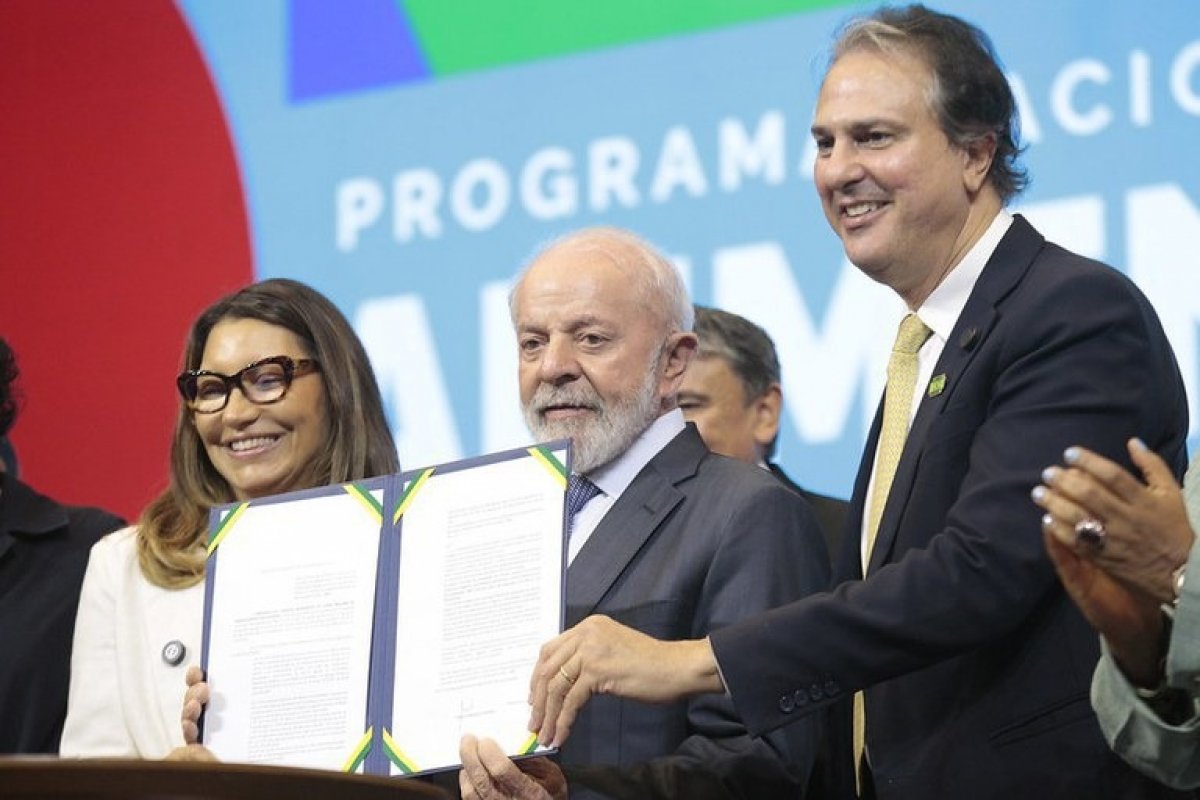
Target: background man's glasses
column 264, row 381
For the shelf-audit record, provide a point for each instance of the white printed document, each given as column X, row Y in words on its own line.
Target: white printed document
column 367, row 627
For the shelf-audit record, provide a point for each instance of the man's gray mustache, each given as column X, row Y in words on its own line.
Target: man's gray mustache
column 543, row 400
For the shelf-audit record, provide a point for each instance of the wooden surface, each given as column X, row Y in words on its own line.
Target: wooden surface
column 25, row 778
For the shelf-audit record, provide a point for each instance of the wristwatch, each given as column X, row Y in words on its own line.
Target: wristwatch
column 1173, row 706
column 1177, row 579
column 1178, row 576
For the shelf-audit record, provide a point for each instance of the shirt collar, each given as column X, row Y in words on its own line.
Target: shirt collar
column 614, row 477
column 941, row 309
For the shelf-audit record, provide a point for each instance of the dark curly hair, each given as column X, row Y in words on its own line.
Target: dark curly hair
column 10, row 398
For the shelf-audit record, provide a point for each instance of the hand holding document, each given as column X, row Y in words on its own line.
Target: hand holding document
column 370, row 626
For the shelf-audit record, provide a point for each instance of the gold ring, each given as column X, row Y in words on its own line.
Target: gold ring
column 566, row 677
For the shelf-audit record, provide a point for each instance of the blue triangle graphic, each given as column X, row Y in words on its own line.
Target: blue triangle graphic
column 337, row 47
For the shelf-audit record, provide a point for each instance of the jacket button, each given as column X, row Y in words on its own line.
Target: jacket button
column 815, row 693
column 786, row 705
column 800, row 698
column 832, row 688
column 173, row 653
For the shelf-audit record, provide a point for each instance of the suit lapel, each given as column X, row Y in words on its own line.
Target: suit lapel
column 168, row 616
column 633, row 519
column 1004, row 270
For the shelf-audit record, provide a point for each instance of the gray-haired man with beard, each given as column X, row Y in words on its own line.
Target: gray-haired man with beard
column 674, row 541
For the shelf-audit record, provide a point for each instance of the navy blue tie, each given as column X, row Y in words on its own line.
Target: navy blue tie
column 579, row 491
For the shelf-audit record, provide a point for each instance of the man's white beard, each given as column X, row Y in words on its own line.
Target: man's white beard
column 607, row 432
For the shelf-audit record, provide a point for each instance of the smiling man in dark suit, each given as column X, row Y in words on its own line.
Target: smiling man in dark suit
column 974, row 662
column 675, row 541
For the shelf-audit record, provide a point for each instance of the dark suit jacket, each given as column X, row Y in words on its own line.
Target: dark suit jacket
column 831, row 513
column 696, row 542
column 977, row 661
column 43, row 552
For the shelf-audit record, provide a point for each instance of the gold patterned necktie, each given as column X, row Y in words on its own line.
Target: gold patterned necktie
column 897, row 411
column 897, row 408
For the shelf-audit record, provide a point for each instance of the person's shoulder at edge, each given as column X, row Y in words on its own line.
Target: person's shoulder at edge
column 93, row 518
column 33, row 506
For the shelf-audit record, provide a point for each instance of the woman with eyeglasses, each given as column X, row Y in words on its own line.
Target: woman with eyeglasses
column 277, row 396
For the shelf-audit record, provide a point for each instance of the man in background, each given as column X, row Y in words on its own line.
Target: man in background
column 733, row 392
column 44, row 550
column 665, row 536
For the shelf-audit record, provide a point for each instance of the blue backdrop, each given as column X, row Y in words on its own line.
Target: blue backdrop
column 412, row 202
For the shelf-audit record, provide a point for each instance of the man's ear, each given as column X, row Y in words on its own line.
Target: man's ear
column 678, row 351
column 767, row 407
column 977, row 162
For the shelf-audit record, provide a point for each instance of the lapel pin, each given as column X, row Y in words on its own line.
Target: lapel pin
column 968, row 338
column 173, row 653
column 937, row 385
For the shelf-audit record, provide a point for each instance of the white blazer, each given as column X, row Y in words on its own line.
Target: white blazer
column 126, row 697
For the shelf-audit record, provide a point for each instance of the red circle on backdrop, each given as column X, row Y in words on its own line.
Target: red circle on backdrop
column 122, row 217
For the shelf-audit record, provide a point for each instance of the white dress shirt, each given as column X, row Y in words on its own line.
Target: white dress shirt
column 940, row 313
column 614, row 477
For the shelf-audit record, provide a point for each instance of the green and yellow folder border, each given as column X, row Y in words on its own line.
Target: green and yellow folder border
column 386, row 499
